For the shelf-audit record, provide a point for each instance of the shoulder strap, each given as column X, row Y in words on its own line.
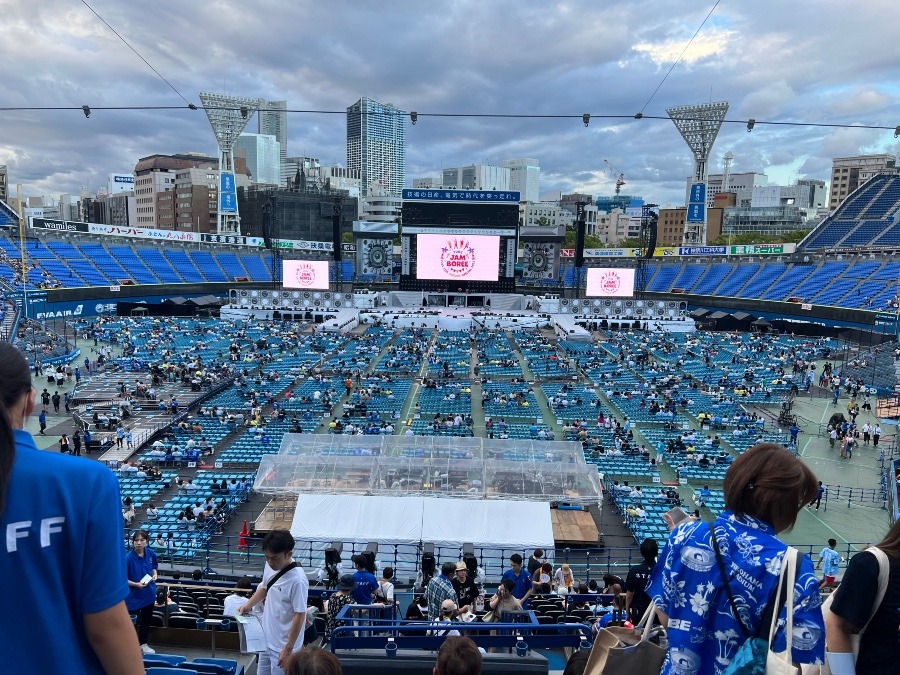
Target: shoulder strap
column 281, row 573
column 884, row 573
column 721, row 563
column 785, row 593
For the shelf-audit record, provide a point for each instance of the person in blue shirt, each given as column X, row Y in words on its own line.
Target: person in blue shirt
column 829, row 561
column 366, row 583
column 141, row 563
column 765, row 488
column 521, row 578
column 62, row 555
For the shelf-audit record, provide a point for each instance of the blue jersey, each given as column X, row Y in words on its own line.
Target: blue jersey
column 686, row 583
column 830, row 561
column 138, row 567
column 522, row 582
column 62, row 558
column 366, row 583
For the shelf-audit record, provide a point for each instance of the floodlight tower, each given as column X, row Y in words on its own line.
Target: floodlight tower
column 228, row 116
column 699, row 125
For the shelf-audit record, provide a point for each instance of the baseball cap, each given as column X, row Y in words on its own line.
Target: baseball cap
column 448, row 606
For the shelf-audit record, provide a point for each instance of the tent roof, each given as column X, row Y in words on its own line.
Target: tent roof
column 718, row 315
column 697, row 313
column 761, row 322
column 742, row 316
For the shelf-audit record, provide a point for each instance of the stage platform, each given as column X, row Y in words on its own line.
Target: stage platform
column 574, row 528
column 277, row 515
column 888, row 408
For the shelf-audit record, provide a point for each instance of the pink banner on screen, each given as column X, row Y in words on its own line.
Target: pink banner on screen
column 609, row 282
column 311, row 275
column 457, row 258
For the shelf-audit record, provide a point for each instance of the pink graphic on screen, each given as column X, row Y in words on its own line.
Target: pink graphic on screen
column 454, row 257
column 310, row 275
column 609, row 282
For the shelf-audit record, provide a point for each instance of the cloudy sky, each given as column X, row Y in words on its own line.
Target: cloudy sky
column 830, row 62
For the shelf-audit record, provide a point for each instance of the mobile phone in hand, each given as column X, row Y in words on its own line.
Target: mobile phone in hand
column 675, row 517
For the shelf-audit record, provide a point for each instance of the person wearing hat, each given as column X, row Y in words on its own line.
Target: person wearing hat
column 440, row 588
column 466, row 589
column 449, row 611
column 366, row 583
column 337, row 601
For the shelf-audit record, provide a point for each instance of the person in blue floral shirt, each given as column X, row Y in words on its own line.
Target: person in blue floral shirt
column 765, row 489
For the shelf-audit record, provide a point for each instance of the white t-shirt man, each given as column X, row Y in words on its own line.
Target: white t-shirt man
column 287, row 597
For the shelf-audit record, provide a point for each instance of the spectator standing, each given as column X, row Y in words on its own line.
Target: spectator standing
column 829, row 561
column 141, row 566
column 337, row 601
column 855, row 608
column 636, row 599
column 365, row 582
column 534, row 562
column 42, row 421
column 64, row 446
column 48, row 562
column 764, row 490
column 876, row 435
column 521, row 579
column 76, row 443
column 285, row 590
column 440, row 588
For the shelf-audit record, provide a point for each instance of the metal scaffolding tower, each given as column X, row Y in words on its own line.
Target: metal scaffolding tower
column 228, row 116
column 699, row 125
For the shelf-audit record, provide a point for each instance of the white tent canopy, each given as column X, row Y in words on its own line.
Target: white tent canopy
column 496, row 528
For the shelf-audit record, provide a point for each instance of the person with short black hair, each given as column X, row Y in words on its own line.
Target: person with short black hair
column 365, row 581
column 521, row 578
column 636, row 599
column 458, row 656
column 238, row 597
column 440, row 588
column 534, row 562
column 285, row 589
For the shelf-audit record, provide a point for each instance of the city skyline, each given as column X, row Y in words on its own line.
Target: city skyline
column 827, row 63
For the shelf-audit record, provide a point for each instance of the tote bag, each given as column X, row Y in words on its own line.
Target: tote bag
column 628, row 651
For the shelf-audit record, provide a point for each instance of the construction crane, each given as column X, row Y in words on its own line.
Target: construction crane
column 619, row 177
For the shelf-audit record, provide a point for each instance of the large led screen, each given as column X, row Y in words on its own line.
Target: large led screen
column 450, row 257
column 610, row 282
column 306, row 274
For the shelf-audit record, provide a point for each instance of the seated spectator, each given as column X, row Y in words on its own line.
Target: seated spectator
column 237, row 598
column 458, row 655
column 152, row 512
column 313, row 661
column 337, row 601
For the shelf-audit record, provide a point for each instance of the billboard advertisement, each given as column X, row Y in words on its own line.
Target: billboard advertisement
column 306, row 274
column 610, row 282
column 457, row 258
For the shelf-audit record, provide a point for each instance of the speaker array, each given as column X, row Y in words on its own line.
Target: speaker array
column 293, row 300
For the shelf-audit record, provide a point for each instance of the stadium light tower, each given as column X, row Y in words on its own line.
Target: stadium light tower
column 228, row 116
column 699, row 125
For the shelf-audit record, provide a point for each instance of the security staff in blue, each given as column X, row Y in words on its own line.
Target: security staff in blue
column 61, row 559
column 142, row 569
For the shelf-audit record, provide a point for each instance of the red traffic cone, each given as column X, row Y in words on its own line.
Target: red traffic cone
column 245, row 532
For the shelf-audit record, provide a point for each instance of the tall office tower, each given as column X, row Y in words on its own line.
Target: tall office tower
column 524, row 177
column 272, row 121
column 476, row 177
column 261, row 152
column 376, row 146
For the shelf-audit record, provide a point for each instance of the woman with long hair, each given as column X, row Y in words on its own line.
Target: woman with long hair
column 142, row 566
column 854, row 609
column 63, row 558
column 714, row 581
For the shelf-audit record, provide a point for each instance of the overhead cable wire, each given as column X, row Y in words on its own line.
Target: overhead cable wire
column 672, row 67
column 128, row 44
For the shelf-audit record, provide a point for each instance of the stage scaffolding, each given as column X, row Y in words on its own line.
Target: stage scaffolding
column 468, row 468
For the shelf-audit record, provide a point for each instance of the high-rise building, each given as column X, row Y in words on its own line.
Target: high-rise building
column 119, row 182
column 848, row 173
column 376, row 145
column 4, row 181
column 263, row 157
column 524, row 177
column 272, row 121
column 476, row 177
column 156, row 174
